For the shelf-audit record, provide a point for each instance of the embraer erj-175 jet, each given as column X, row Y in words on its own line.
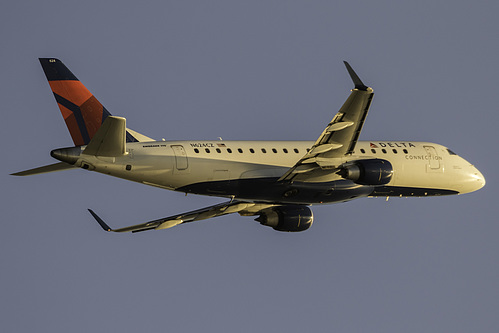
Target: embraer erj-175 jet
column 274, row 180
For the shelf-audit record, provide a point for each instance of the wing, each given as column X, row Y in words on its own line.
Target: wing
column 235, row 206
column 340, row 135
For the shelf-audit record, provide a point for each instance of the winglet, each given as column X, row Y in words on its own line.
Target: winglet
column 100, row 221
column 355, row 78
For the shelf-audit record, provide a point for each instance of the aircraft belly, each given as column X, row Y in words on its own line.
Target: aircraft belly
column 270, row 190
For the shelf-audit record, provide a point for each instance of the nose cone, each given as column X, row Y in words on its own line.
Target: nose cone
column 479, row 178
column 474, row 180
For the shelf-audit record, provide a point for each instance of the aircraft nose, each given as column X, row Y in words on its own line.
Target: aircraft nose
column 476, row 180
column 480, row 179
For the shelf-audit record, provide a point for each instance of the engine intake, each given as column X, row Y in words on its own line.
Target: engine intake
column 287, row 218
column 368, row 172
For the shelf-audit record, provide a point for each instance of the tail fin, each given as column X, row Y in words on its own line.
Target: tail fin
column 82, row 112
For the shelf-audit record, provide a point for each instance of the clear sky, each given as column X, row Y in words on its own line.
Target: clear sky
column 248, row 70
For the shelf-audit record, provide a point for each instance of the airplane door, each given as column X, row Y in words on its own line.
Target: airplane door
column 433, row 159
column 181, row 162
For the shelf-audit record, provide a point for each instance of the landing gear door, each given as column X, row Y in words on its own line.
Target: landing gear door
column 181, row 162
column 434, row 163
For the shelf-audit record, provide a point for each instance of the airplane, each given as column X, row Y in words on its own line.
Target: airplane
column 276, row 181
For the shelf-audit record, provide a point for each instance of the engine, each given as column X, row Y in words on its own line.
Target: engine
column 367, row 172
column 287, row 218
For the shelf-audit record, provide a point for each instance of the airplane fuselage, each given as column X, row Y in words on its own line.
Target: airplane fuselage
column 249, row 170
column 274, row 180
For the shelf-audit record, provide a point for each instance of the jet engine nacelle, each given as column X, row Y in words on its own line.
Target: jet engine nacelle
column 367, row 172
column 287, row 218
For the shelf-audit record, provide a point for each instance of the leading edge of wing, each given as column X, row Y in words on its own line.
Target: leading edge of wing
column 171, row 221
column 340, row 135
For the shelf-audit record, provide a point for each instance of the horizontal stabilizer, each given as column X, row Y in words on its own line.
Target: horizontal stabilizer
column 110, row 139
column 136, row 136
column 45, row 169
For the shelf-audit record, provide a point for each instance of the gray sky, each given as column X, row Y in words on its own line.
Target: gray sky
column 248, row 70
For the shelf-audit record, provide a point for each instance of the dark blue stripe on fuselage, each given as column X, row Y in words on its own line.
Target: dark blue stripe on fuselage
column 396, row 191
column 270, row 190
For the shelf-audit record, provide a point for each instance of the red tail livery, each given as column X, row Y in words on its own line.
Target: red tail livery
column 82, row 112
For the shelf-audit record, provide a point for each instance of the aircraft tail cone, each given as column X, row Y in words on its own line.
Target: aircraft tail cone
column 67, row 155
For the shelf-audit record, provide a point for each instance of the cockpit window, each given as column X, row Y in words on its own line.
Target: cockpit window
column 451, row 152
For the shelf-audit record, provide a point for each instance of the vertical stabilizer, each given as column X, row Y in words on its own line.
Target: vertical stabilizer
column 81, row 111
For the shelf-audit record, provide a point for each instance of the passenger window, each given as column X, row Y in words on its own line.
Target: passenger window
column 296, row 151
column 229, row 150
column 405, row 151
column 218, row 150
column 196, row 150
column 373, row 151
column 285, row 150
column 362, row 151
column 274, row 150
column 264, row 151
column 207, row 150
column 240, row 150
column 394, row 151
column 252, row 150
column 384, row 151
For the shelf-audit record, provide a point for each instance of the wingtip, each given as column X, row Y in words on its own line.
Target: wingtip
column 355, row 78
column 100, row 221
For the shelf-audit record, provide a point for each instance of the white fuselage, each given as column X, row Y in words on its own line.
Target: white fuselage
column 275, row 180
column 249, row 170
